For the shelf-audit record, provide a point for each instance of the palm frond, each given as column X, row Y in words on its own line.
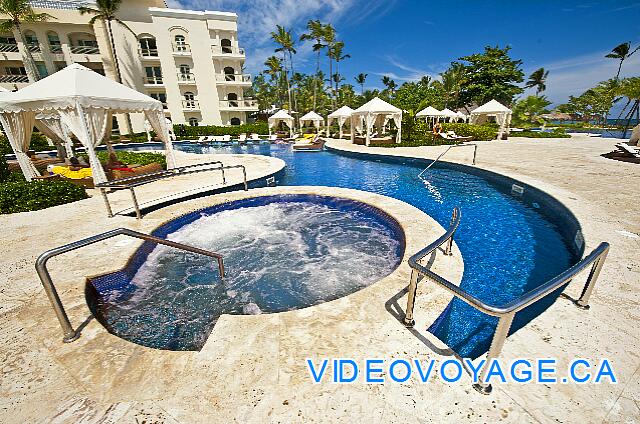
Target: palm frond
column 85, row 10
column 126, row 26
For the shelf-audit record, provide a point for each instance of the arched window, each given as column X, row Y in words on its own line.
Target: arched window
column 185, row 73
column 54, row 42
column 229, row 74
column 225, row 43
column 235, row 121
column 189, row 100
column 181, row 43
column 148, row 46
column 233, row 99
column 32, row 41
column 193, row 122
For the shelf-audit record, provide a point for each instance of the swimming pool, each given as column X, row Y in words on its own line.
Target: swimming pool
column 512, row 238
column 281, row 253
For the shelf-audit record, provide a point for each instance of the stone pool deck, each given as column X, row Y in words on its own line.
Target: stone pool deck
column 252, row 367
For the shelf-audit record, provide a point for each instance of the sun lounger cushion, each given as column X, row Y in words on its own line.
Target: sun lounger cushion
column 72, row 175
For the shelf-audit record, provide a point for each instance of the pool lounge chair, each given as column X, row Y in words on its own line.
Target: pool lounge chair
column 272, row 137
column 202, row 139
column 315, row 145
column 254, row 137
column 226, row 138
column 242, row 138
column 628, row 151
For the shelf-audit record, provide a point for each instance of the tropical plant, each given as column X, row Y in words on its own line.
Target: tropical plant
column 335, row 52
column 450, row 84
column 537, row 79
column 329, row 38
column 283, row 38
column 19, row 12
column 529, row 111
column 491, row 75
column 621, row 52
column 389, row 83
column 360, row 80
column 629, row 88
column 316, row 33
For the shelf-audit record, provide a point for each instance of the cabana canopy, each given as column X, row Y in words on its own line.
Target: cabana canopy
column 84, row 101
column 312, row 117
column 281, row 116
column 448, row 113
column 341, row 114
column 462, row 116
column 495, row 109
column 375, row 113
column 429, row 112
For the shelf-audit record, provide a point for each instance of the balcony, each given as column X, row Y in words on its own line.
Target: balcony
column 149, row 53
column 154, row 81
column 233, row 79
column 181, row 49
column 243, row 105
column 227, row 51
column 190, row 105
column 184, row 78
column 55, row 49
column 14, row 79
column 84, row 50
column 5, row 48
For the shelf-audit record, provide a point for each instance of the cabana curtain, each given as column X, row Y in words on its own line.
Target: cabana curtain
column 54, row 129
column 18, row 128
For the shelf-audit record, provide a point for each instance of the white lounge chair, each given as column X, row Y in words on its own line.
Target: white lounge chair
column 255, row 137
column 242, row 138
column 202, row 139
column 226, row 138
column 273, row 137
column 628, row 150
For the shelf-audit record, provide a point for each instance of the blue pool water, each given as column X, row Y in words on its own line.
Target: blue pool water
column 509, row 245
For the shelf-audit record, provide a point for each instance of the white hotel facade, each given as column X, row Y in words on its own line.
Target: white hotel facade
column 189, row 60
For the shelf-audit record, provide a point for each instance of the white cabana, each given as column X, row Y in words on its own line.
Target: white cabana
column 430, row 112
column 312, row 118
column 374, row 114
column 462, row 116
column 448, row 113
column 341, row 115
column 281, row 116
column 493, row 108
column 84, row 101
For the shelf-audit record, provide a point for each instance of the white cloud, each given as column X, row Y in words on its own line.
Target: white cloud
column 258, row 18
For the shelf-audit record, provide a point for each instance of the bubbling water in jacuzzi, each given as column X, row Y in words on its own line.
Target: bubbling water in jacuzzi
column 278, row 257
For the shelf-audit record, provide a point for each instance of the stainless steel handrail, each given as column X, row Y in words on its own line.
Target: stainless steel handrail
column 505, row 312
column 475, row 152
column 70, row 334
column 129, row 183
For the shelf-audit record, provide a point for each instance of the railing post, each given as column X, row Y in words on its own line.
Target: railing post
column 409, row 322
column 499, row 337
column 106, row 202
column 135, row 203
column 244, row 173
column 475, row 151
column 69, row 333
column 583, row 301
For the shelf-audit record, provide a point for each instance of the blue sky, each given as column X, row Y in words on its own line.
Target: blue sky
column 406, row 39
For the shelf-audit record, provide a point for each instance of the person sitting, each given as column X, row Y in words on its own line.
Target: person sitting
column 113, row 162
column 75, row 164
column 437, row 128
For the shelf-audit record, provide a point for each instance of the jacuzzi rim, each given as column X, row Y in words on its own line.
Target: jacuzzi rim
column 91, row 294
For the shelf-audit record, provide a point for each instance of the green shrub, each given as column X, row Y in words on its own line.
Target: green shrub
column 23, row 196
column 131, row 158
column 483, row 132
column 39, row 143
column 189, row 133
column 4, row 167
column 555, row 133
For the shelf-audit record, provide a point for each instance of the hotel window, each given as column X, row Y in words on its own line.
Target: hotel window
column 162, row 97
column 148, row 47
column 154, row 74
column 16, row 70
column 193, row 122
column 181, row 43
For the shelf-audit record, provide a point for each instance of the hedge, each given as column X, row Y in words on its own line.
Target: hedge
column 39, row 143
column 555, row 133
column 130, row 158
column 23, row 196
column 478, row 132
column 185, row 132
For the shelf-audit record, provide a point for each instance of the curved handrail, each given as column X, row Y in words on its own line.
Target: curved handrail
column 475, row 152
column 505, row 312
column 41, row 267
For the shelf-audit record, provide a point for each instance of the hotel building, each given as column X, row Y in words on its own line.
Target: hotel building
column 189, row 60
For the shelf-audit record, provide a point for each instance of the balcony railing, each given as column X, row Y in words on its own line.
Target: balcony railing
column 224, row 50
column 153, row 81
column 14, row 79
column 55, row 49
column 190, row 105
column 241, row 103
column 185, row 78
column 8, row 47
column 233, row 77
column 149, row 52
column 181, row 48
column 85, row 50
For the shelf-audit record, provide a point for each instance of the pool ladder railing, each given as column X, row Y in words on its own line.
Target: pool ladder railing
column 473, row 162
column 129, row 183
column 71, row 334
column 505, row 312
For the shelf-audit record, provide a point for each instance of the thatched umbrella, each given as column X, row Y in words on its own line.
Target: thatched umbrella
column 557, row 116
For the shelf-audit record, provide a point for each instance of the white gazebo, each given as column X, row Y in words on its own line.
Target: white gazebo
column 374, row 114
column 429, row 112
column 84, row 102
column 341, row 115
column 281, row 116
column 495, row 109
column 448, row 113
column 312, row 118
column 462, row 116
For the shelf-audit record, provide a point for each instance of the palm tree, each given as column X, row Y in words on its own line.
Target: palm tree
column 361, row 79
column 621, row 52
column 329, row 38
column 19, row 12
column 105, row 11
column 335, row 52
column 283, row 38
column 274, row 70
column 389, row 83
column 316, row 32
column 537, row 79
column 451, row 84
